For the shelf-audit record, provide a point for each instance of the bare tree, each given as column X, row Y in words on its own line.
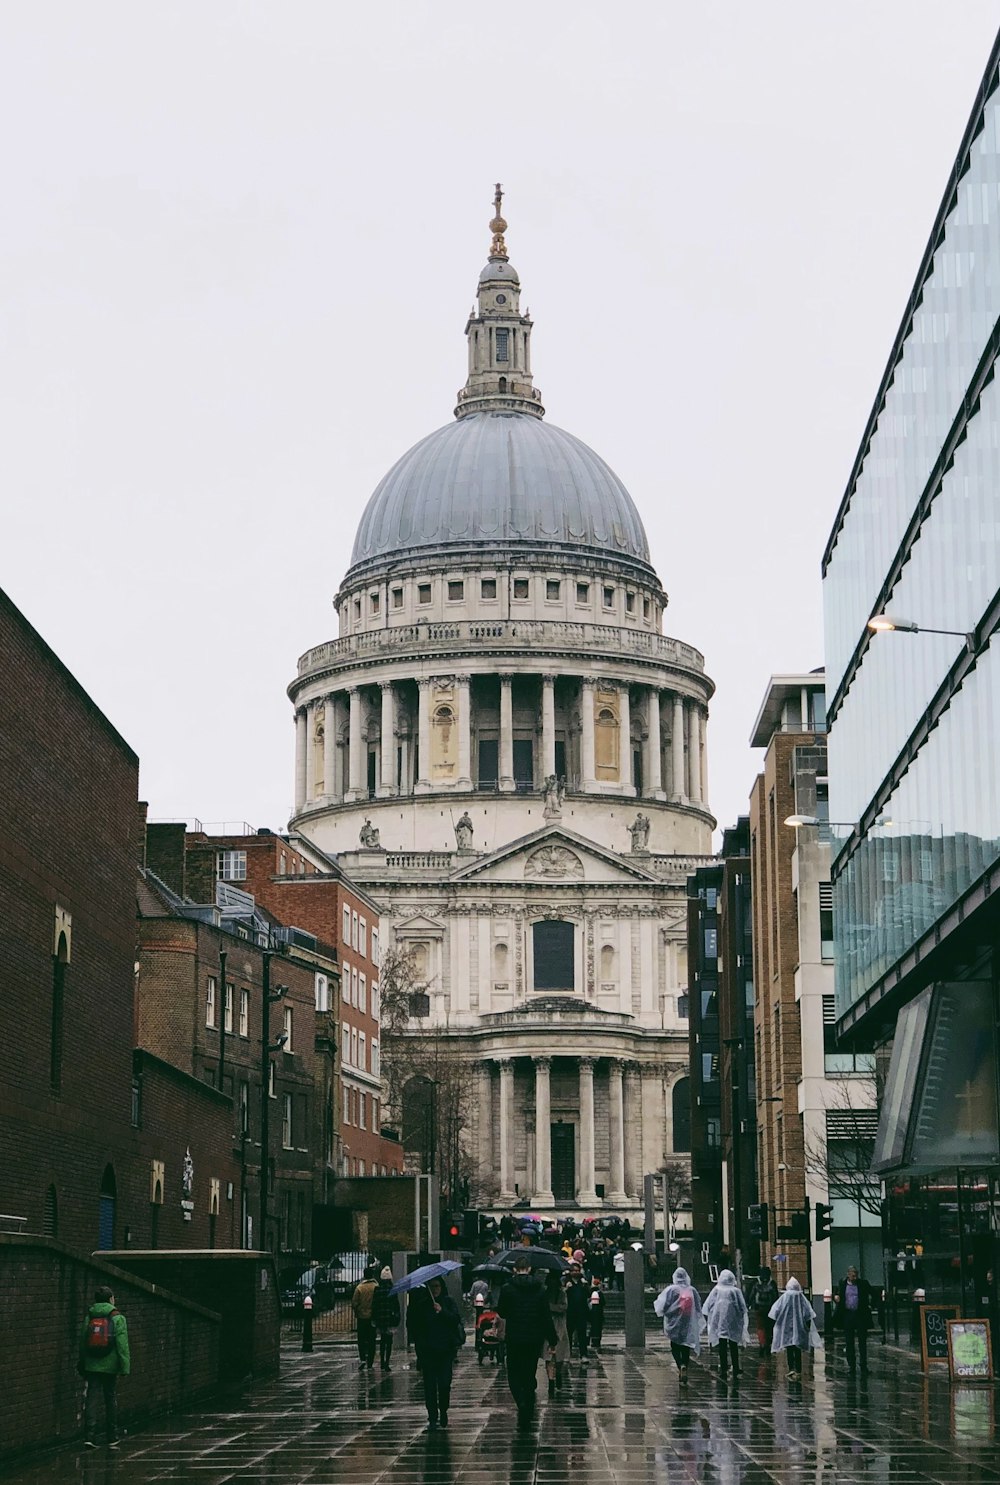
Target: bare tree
column 427, row 1086
column 842, row 1158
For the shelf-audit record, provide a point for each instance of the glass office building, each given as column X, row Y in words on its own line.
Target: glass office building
column 914, row 716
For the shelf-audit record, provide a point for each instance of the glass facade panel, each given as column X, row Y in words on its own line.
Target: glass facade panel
column 957, row 310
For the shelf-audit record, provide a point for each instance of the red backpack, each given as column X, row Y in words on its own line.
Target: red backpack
column 99, row 1339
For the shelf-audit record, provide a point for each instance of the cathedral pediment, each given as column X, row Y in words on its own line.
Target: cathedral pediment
column 417, row 924
column 557, row 856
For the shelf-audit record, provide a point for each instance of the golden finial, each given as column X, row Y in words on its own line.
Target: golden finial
column 498, row 227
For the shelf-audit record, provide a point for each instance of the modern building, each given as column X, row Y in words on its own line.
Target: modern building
column 814, row 1103
column 507, row 753
column 913, row 717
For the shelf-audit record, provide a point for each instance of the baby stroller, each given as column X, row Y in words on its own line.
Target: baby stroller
column 489, row 1335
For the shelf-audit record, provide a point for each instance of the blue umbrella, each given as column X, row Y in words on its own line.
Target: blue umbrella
column 421, row 1275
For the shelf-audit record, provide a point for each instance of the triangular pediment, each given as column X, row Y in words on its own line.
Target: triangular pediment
column 554, row 855
column 419, row 923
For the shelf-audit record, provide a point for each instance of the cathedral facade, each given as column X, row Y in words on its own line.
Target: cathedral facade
column 507, row 752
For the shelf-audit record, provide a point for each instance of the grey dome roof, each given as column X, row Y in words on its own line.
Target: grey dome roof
column 497, row 478
column 496, row 268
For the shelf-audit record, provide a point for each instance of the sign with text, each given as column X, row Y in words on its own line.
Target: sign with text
column 970, row 1354
column 934, row 1332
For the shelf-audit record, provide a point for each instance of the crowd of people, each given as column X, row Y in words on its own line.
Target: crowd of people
column 528, row 1307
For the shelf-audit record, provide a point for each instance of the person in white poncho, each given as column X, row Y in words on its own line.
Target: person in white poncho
column 794, row 1327
column 728, row 1322
column 679, row 1307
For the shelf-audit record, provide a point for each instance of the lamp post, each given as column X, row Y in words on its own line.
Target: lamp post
column 889, row 623
column 268, row 998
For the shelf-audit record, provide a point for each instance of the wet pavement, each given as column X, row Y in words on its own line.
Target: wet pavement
column 623, row 1418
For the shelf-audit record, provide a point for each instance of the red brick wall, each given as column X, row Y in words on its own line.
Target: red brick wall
column 46, row 1293
column 68, row 814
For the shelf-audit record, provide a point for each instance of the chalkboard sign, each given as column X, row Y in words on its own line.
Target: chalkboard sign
column 970, row 1354
column 934, row 1331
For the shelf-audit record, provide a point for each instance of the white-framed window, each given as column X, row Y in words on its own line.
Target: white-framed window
column 229, row 1008
column 375, row 946
column 345, row 1045
column 362, row 1121
column 282, row 864
column 376, row 1064
column 287, row 1029
column 210, row 1001
column 374, row 1114
column 231, row 866
column 362, row 993
column 272, row 1091
column 244, row 1106
column 361, row 1164
column 363, row 937
column 244, row 1011
column 346, row 929
column 397, row 598
column 354, row 1046
column 354, row 930
column 347, row 1105
column 362, row 1051
column 374, row 1000
column 286, row 1121
column 354, row 985
column 345, row 983
column 322, row 993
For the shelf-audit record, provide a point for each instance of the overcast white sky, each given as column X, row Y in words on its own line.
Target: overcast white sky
column 240, row 242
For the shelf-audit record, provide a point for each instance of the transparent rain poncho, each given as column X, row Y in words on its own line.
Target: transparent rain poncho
column 794, row 1320
column 726, row 1312
column 679, row 1306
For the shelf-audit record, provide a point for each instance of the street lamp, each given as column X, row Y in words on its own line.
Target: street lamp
column 798, row 821
column 886, row 623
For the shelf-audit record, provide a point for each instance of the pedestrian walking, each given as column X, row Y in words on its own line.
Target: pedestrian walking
column 679, row 1307
column 385, row 1317
column 618, row 1263
column 361, row 1303
column 853, row 1314
column 527, row 1319
column 762, row 1295
column 728, row 1322
column 556, row 1356
column 577, row 1318
column 103, row 1358
column 595, row 1314
column 794, row 1327
column 438, row 1332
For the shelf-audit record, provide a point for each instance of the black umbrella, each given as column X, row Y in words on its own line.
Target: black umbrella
column 536, row 1258
column 490, row 1270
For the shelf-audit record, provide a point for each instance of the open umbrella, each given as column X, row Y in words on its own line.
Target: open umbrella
column 537, row 1258
column 421, row 1275
column 485, row 1270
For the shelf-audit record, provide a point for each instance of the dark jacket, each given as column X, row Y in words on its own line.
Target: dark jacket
column 761, row 1298
column 435, row 1332
column 862, row 1316
column 577, row 1304
column 525, row 1311
column 117, row 1362
column 385, row 1307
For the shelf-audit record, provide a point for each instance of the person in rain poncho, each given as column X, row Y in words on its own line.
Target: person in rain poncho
column 679, row 1306
column 728, row 1323
column 794, row 1327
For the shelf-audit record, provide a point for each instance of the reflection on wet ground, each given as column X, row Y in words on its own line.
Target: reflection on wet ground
column 623, row 1418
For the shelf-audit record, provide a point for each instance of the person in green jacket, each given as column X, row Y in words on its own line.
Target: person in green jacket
column 104, row 1357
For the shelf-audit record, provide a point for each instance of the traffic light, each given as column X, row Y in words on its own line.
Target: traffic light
column 758, row 1215
column 824, row 1221
column 800, row 1226
column 451, row 1231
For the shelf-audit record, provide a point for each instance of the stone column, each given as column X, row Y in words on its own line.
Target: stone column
column 587, row 1196
column 625, row 740
column 654, row 765
column 704, row 758
column 310, row 752
column 506, row 735
column 507, row 1192
column 694, row 753
column 588, row 780
column 548, row 725
column 423, row 780
column 464, row 733
column 616, row 1111
column 633, row 1131
column 387, row 782
column 679, row 789
column 543, row 1134
column 329, row 747
column 301, row 725
column 357, row 783
column 486, row 1158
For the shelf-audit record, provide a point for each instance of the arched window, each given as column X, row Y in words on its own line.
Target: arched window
column 681, row 1096
column 552, row 944
column 503, row 384
column 50, row 1217
column 59, row 963
column 106, row 1208
column 606, row 744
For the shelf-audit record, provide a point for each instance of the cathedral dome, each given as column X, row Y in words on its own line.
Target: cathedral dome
column 495, row 478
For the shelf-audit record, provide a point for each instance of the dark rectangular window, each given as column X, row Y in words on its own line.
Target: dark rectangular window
column 489, row 749
column 609, row 597
column 503, row 337
column 423, row 592
column 560, row 758
column 397, row 598
column 552, row 587
column 456, row 591
column 630, row 603
column 524, row 764
column 552, row 943
column 583, row 592
column 521, row 588
column 488, row 588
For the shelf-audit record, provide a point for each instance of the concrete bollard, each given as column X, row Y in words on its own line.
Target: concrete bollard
column 307, row 1323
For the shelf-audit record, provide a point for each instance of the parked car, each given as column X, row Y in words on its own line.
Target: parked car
column 318, row 1281
column 349, row 1270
